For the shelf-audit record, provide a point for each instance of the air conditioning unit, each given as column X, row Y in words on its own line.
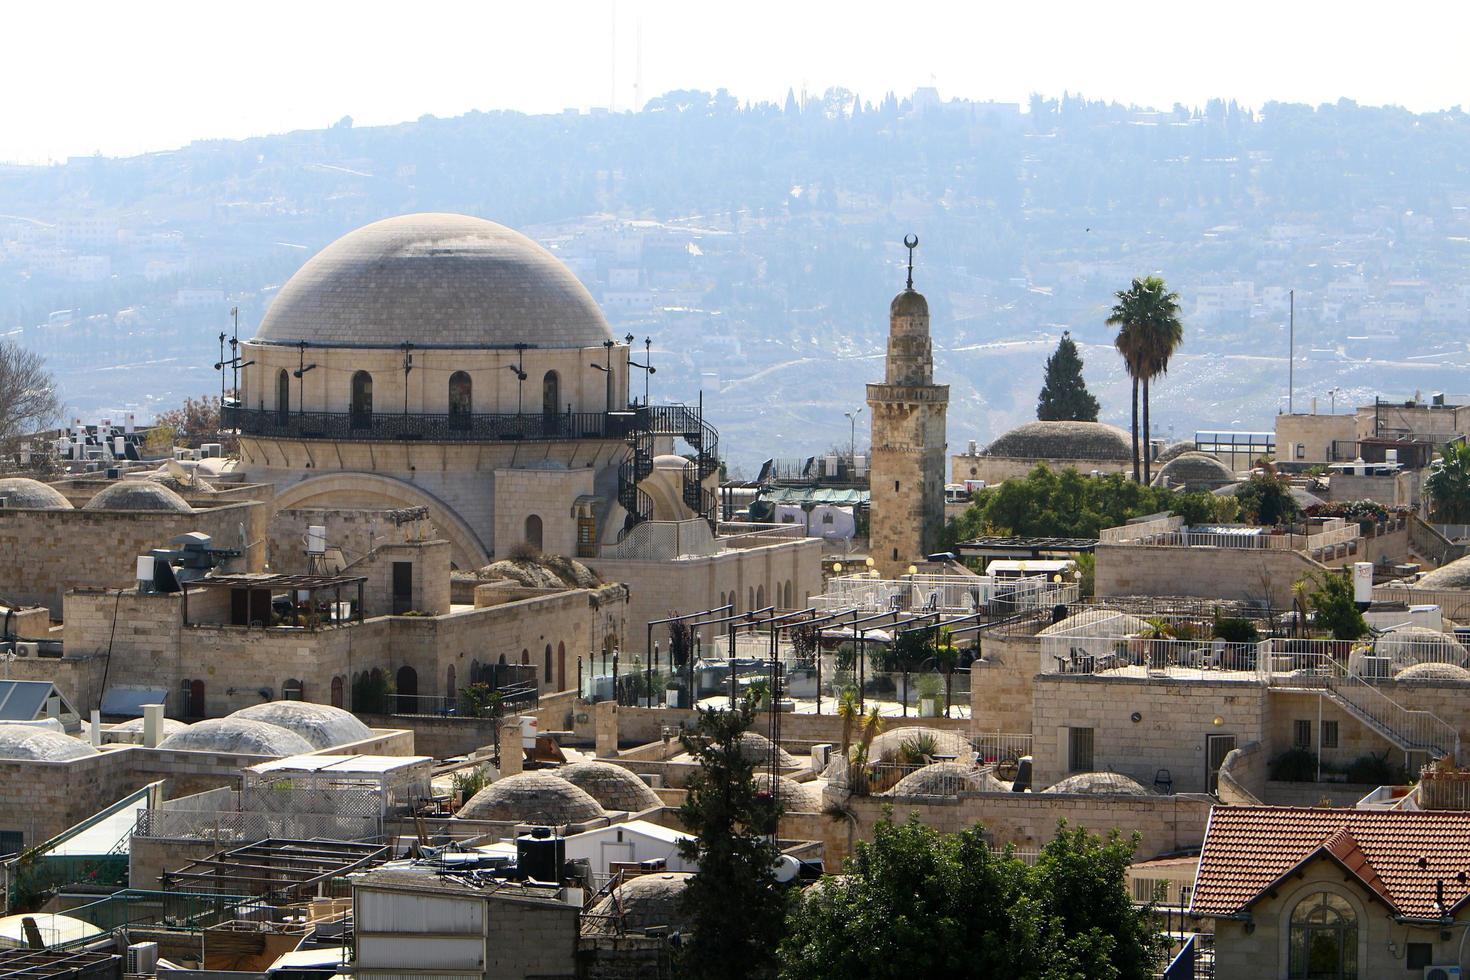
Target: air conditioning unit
column 1443, row 972
column 142, row 959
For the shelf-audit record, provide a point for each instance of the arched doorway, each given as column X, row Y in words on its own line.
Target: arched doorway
column 525, row 657
column 502, row 660
column 551, row 393
column 283, row 395
column 293, row 690
column 408, row 690
column 362, row 400
column 461, row 400
column 451, row 693
column 196, row 699
column 760, row 597
column 337, row 701
column 546, row 671
column 561, row 666
column 533, row 531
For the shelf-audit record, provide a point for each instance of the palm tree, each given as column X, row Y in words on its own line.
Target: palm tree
column 1147, row 317
column 1448, row 485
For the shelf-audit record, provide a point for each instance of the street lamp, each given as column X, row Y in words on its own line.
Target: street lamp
column 852, row 435
column 1332, row 394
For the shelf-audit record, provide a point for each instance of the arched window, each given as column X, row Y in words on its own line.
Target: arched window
column 461, row 400
column 760, row 597
column 362, row 400
column 283, row 395
column 561, row 666
column 408, row 690
column 337, row 701
column 533, row 530
column 450, row 691
column 551, row 393
column 1324, row 938
column 790, row 596
column 502, row 660
column 292, row 690
column 525, row 657
column 547, row 666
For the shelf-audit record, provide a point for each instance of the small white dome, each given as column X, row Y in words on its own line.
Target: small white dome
column 324, row 726
column 237, row 735
column 24, row 743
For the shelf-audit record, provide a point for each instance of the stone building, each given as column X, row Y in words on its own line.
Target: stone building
column 1087, row 447
column 908, row 437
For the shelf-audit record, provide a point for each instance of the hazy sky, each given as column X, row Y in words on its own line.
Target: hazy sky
column 120, row 78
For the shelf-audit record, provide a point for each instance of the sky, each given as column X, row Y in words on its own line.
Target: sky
column 125, row 78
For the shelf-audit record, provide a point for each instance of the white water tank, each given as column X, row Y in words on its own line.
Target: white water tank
column 1362, row 581
column 316, row 539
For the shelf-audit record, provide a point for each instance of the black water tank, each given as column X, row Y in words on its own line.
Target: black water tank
column 541, row 854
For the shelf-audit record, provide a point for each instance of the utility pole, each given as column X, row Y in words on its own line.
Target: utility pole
column 1291, row 351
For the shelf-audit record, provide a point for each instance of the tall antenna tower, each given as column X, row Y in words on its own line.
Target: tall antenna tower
column 638, row 69
column 612, row 82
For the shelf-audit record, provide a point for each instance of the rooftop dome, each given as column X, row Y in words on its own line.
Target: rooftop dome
column 1303, row 499
column 181, row 486
column 795, row 797
column 947, row 779
column 613, row 787
column 445, row 280
column 756, row 748
column 1064, row 440
column 1432, row 671
column 641, row 902
column 18, row 491
column 1409, row 645
column 886, row 746
column 1174, row 450
column 166, row 727
column 24, row 742
column 1099, row 784
column 1455, row 575
column 1110, row 622
column 138, row 495
column 324, row 726
column 532, row 797
column 242, row 735
column 1194, row 471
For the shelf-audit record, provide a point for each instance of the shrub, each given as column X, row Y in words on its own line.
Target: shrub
column 917, row 749
column 524, row 551
column 1374, row 770
column 1234, row 629
column 372, row 693
column 468, row 782
column 928, row 686
column 1294, row 766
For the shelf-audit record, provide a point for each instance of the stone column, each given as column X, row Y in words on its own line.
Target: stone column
column 605, row 728
column 512, row 754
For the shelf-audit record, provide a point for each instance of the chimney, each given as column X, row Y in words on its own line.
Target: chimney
column 94, row 729
column 152, row 725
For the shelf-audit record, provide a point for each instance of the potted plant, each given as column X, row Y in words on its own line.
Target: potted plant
column 929, row 688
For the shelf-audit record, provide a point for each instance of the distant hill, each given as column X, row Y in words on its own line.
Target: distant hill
column 758, row 246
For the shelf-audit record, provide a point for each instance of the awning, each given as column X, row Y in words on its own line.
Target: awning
column 129, row 701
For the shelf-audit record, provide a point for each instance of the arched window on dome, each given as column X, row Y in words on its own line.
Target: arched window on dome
column 461, row 400
column 533, row 531
column 283, row 395
column 362, row 400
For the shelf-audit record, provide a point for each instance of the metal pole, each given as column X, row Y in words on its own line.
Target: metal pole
column 732, row 666
column 861, row 664
column 1291, row 357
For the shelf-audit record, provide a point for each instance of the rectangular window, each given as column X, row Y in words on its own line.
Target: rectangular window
column 586, row 537
column 895, row 486
column 1329, row 735
column 1301, row 734
column 1418, row 955
column 1079, row 749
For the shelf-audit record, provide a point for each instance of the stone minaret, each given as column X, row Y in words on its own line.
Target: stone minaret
column 907, row 469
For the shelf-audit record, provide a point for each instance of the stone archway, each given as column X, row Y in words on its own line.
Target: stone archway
column 318, row 491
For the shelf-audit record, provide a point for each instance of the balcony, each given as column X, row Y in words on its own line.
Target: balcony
column 419, row 427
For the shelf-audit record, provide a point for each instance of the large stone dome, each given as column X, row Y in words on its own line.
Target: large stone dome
column 1455, row 575
column 641, row 903
column 1064, row 440
column 323, row 725
column 1194, row 471
column 613, row 787
column 40, row 744
column 138, row 495
column 434, row 280
column 18, row 491
column 532, row 797
column 237, row 735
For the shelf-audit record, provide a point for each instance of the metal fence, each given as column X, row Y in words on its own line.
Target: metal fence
column 443, row 427
column 249, row 826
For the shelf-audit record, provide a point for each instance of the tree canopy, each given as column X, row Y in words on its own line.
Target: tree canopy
column 1448, row 485
column 1266, row 499
column 28, row 400
column 918, row 903
column 1147, row 317
column 736, row 909
column 1064, row 395
column 1068, row 504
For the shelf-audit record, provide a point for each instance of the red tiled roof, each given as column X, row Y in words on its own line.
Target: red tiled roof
column 1399, row 856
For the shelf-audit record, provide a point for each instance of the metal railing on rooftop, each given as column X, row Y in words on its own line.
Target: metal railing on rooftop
column 429, row 427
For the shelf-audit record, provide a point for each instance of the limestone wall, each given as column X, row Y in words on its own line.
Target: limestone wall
column 1243, row 775
column 687, row 585
column 1216, row 573
column 1029, row 820
column 1308, row 438
column 998, row 469
column 1174, row 718
column 1001, row 684
column 355, row 531
column 549, row 495
column 71, row 549
column 41, row 799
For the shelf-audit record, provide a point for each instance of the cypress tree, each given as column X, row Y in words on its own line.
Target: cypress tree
column 1064, row 395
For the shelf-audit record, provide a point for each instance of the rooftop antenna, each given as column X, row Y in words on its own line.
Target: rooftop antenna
column 911, row 242
column 638, row 69
column 1291, row 350
column 612, row 86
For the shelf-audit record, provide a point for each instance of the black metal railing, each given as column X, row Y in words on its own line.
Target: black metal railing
column 442, row 427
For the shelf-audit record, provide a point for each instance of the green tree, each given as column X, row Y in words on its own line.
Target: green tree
column 734, row 904
column 918, row 903
column 1448, row 485
column 1266, row 499
column 1147, row 317
column 1064, row 395
column 1332, row 601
